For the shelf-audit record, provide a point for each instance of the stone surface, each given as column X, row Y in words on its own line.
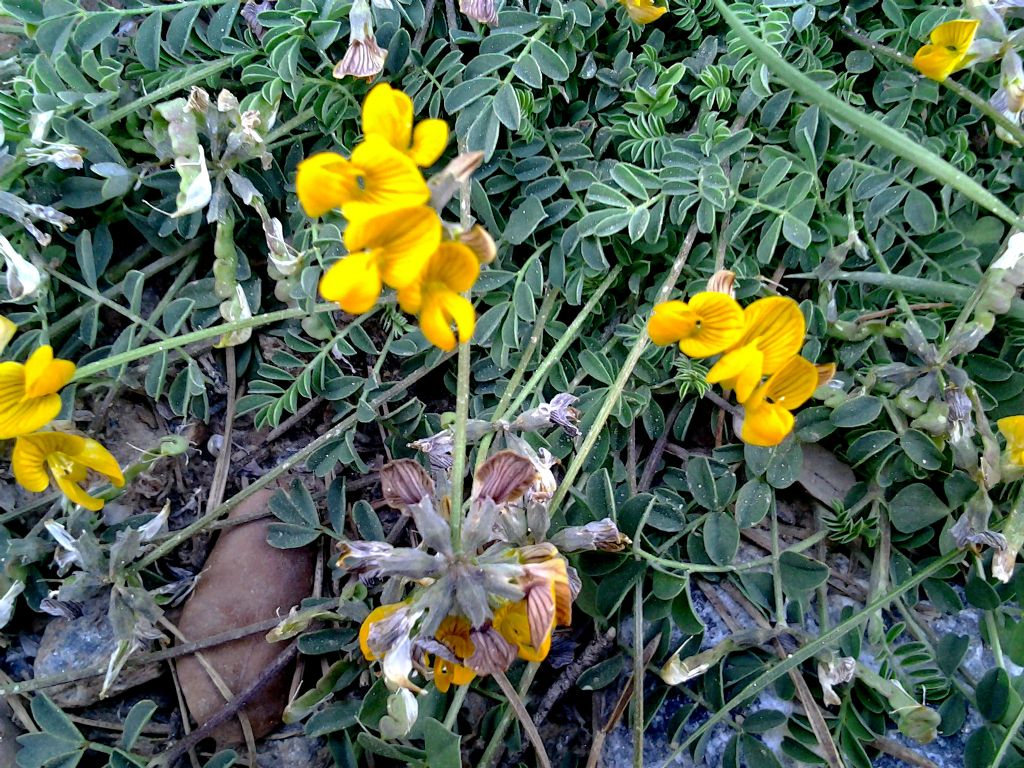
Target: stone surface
column 79, row 644
column 297, row 750
column 245, row 581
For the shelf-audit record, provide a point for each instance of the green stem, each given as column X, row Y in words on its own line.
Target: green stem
column 168, row 8
column 1008, row 737
column 780, row 598
column 459, row 448
column 619, row 385
column 286, row 128
column 638, row 675
column 675, row 565
column 917, row 285
column 185, row 339
column 870, row 126
column 292, row 461
column 497, row 739
column 456, row 705
column 813, row 648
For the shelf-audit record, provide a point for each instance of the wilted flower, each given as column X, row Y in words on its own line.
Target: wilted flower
column 484, row 11
column 364, row 58
column 600, row 534
column 480, row 242
column 1009, row 98
column 23, row 277
column 558, row 412
column 833, row 673
column 8, row 600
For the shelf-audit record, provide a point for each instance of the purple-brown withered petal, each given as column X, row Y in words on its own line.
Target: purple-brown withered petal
column 404, row 482
column 491, row 652
column 540, row 611
column 504, row 477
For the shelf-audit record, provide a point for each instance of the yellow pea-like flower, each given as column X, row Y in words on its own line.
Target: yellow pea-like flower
column 773, row 333
column 28, row 392
column 948, row 49
column 65, row 459
column 377, row 614
column 454, row 633
column 512, row 620
column 705, row 325
column 436, row 297
column 1012, row 428
column 377, row 179
column 643, row 11
column 768, row 412
column 391, row 249
column 388, row 113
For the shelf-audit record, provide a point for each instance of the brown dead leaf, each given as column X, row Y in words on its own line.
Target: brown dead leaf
column 245, row 581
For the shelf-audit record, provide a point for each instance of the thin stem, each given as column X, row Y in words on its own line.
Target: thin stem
column 866, row 124
column 619, row 385
column 497, row 739
column 1008, row 737
column 456, row 705
column 524, row 719
column 780, row 598
column 459, row 447
column 638, row 675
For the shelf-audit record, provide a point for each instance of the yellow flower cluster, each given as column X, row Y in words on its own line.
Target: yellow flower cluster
column 393, row 236
column 29, row 401
column 759, row 348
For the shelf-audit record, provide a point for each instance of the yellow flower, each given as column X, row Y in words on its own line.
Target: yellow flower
column 436, row 297
column 948, row 49
column 512, row 620
column 1012, row 428
column 377, row 614
column 68, row 459
column 773, row 334
column 392, row 248
column 643, row 11
column 767, row 413
column 387, row 113
column 706, row 325
column 7, row 331
column 376, row 180
column 454, row 633
column 28, row 393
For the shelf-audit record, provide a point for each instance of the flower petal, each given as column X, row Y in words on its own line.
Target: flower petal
column 793, row 384
column 77, row 494
column 739, row 370
column 375, row 615
column 459, row 309
column 97, row 458
column 323, row 182
column 670, row 321
column 766, row 425
column 44, row 375
column 936, row 62
column 428, row 142
column 28, row 461
column 720, row 322
column 19, row 416
column 354, row 282
column 402, row 242
column 957, row 34
column 390, row 180
column 777, row 326
column 435, row 325
column 455, row 265
column 387, row 112
column 7, row 331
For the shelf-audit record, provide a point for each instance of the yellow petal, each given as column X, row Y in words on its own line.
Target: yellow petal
column 428, row 142
column 670, row 321
column 402, row 242
column 77, row 494
column 793, row 384
column 454, row 265
column 739, row 370
column 18, row 415
column 777, row 326
column 389, row 180
column 1012, row 428
column 325, row 181
column 958, row 34
column 375, row 615
column 643, row 11
column 718, row 326
column 435, row 325
column 387, row 113
column 7, row 331
column 460, row 311
column 826, row 371
column 28, row 461
column 766, row 425
column 97, row 458
column 936, row 62
column 44, row 375
column 410, row 298
column 354, row 282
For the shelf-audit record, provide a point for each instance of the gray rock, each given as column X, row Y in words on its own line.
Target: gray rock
column 82, row 644
column 293, row 750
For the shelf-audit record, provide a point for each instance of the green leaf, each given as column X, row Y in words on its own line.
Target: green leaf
column 551, row 64
column 993, row 694
column 857, row 412
column 147, row 41
column 921, row 449
column 920, row 213
column 288, row 536
column 506, row 107
column 94, row 29
column 950, row 651
column 753, row 503
column 51, row 719
column 464, row 94
column 442, row 746
column 30, row 11
column 801, row 574
column 176, row 40
column 219, row 29
column 980, row 593
column 332, row 718
column 135, row 721
column 524, row 221
column 763, row 720
column 721, row 537
column 915, row 507
column 702, row 483
column 367, row 522
column 601, row 675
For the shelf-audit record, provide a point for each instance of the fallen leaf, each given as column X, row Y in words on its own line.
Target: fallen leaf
column 245, row 581
column 824, row 476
